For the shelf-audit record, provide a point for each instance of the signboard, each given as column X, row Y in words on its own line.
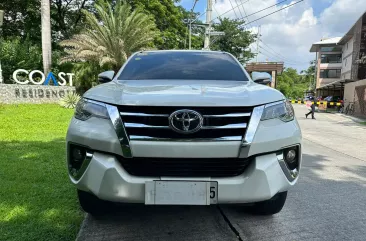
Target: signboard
column 323, row 105
column 35, row 94
column 44, row 80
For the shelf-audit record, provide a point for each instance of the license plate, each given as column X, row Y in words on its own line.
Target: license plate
column 180, row 193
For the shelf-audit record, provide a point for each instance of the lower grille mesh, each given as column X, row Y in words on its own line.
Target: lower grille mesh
column 184, row 167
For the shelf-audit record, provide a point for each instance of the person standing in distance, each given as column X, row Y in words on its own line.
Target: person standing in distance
column 312, row 109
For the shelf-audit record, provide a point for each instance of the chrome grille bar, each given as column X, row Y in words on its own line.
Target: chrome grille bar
column 228, row 115
column 150, row 138
column 231, row 126
column 152, row 123
column 138, row 125
column 143, row 114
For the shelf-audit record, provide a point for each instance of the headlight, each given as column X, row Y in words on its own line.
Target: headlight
column 282, row 110
column 88, row 108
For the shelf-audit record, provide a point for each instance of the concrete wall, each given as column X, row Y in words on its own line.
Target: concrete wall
column 351, row 96
column 347, row 59
column 36, row 94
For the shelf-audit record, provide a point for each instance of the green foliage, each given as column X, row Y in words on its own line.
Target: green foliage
column 291, row 84
column 122, row 33
column 16, row 54
column 309, row 74
column 21, row 19
column 67, row 17
column 236, row 39
column 169, row 20
column 37, row 200
column 86, row 75
column 70, row 100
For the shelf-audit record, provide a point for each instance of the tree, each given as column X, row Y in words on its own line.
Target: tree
column 169, row 20
column 46, row 36
column 67, row 17
column 18, row 54
column 291, row 84
column 112, row 37
column 235, row 41
column 309, row 75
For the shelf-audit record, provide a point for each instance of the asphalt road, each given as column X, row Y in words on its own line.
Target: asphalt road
column 328, row 203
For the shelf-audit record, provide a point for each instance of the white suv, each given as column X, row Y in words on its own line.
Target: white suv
column 183, row 128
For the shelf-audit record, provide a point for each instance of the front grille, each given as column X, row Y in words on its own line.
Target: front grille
column 184, row 167
column 150, row 122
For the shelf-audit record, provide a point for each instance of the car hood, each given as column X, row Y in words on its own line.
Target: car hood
column 184, row 93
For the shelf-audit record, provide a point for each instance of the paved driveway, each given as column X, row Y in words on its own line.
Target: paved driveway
column 329, row 202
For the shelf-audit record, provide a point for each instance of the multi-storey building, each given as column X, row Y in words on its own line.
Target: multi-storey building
column 341, row 66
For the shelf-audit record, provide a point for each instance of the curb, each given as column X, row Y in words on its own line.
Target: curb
column 355, row 119
column 82, row 227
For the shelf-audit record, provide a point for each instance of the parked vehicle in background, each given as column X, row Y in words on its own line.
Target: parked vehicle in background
column 183, row 128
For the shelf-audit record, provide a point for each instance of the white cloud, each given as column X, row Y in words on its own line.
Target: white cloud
column 290, row 32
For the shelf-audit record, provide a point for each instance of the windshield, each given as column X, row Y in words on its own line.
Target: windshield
column 183, row 66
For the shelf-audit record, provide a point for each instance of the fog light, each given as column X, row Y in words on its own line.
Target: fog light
column 78, row 154
column 290, row 156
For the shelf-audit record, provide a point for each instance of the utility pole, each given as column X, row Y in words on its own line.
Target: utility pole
column 258, row 39
column 208, row 22
column 1, row 23
column 190, row 25
column 190, row 35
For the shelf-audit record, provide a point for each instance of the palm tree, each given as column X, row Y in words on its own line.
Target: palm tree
column 112, row 38
column 46, row 36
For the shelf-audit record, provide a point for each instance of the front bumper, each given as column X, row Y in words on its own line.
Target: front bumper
column 106, row 178
column 262, row 179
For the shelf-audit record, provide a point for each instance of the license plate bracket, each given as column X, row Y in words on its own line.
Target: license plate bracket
column 180, row 193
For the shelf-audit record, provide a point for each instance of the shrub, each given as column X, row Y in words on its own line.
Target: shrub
column 70, row 100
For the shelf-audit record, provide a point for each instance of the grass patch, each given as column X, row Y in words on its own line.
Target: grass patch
column 37, row 201
column 363, row 123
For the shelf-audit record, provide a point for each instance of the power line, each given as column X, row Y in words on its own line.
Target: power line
column 194, row 5
column 232, row 6
column 280, row 55
column 241, row 14
column 230, row 10
column 246, row 15
column 266, row 8
column 285, row 63
column 280, row 59
column 274, row 12
column 215, row 9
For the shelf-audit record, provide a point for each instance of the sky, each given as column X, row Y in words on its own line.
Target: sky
column 288, row 34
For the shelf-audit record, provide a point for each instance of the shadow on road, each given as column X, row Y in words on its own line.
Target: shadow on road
column 326, row 204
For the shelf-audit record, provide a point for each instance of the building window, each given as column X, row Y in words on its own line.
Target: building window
column 331, row 49
column 345, row 63
column 330, row 73
column 330, row 58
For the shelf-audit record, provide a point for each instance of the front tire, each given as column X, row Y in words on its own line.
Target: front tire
column 91, row 204
column 271, row 206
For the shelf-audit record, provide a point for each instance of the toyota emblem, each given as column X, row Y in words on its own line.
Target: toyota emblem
column 185, row 121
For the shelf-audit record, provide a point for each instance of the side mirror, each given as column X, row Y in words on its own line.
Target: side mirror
column 106, row 76
column 261, row 78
